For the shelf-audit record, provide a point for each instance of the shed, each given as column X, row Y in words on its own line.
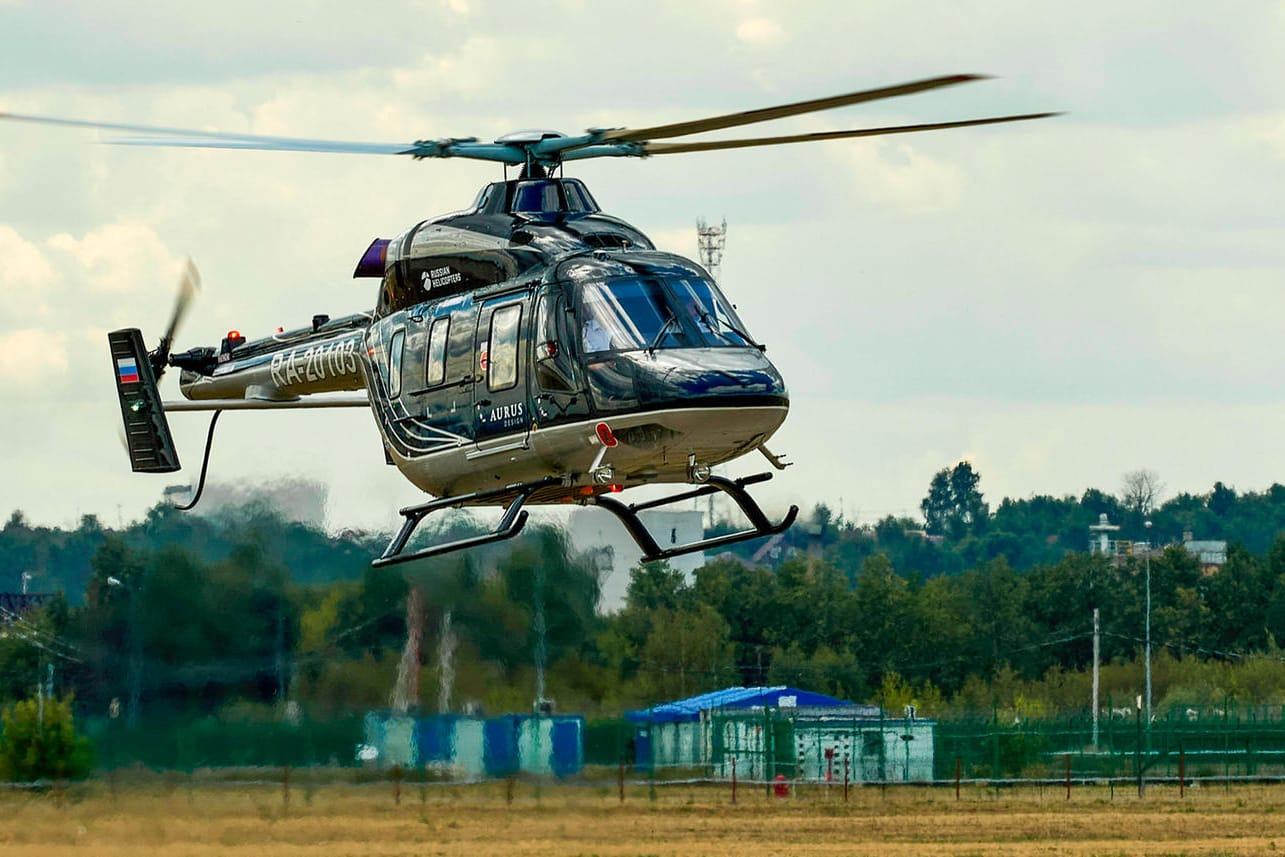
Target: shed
column 677, row 733
column 690, row 709
column 853, row 743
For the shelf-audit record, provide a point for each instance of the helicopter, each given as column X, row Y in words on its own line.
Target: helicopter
column 529, row 349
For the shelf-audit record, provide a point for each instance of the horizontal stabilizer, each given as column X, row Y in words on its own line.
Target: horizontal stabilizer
column 147, row 434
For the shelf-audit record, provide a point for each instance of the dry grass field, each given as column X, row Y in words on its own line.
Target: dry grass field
column 178, row 817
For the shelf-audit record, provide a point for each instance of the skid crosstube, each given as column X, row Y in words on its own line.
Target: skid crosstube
column 652, row 551
column 511, row 522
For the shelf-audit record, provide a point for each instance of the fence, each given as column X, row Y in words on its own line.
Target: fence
column 1192, row 742
column 1187, row 744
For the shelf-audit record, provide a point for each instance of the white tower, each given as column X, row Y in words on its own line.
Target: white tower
column 711, row 240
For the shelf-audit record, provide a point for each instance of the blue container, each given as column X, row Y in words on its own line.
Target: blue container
column 500, row 746
column 435, row 737
column 568, row 746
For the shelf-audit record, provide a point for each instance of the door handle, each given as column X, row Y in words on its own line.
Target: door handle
column 483, row 403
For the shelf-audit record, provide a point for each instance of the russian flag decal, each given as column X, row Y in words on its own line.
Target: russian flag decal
column 127, row 370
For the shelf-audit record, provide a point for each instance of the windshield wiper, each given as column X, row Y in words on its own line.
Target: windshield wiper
column 660, row 334
column 713, row 327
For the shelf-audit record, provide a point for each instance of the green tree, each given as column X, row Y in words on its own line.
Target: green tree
column 954, row 506
column 687, row 652
column 747, row 599
column 824, row 671
column 939, row 506
column 1003, row 630
column 1237, row 595
column 884, row 626
column 39, row 742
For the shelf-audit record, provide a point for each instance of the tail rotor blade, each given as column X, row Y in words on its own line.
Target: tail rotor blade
column 189, row 284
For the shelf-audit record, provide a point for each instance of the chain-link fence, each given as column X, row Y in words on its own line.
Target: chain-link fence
column 1188, row 744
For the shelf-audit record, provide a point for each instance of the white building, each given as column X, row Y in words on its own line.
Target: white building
column 600, row 535
column 294, row 499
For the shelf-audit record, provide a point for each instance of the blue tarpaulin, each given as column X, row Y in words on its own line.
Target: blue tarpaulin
column 734, row 697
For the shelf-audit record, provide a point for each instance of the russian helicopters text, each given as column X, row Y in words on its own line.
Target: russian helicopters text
column 527, row 350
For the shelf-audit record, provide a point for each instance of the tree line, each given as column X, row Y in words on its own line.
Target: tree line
column 966, row 609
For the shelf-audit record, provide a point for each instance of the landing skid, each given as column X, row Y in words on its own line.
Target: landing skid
column 515, row 518
column 652, row 551
column 511, row 522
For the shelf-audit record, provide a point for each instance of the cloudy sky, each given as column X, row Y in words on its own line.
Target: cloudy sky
column 1058, row 302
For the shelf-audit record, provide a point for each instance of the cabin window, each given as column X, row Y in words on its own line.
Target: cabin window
column 502, row 356
column 395, row 363
column 435, row 373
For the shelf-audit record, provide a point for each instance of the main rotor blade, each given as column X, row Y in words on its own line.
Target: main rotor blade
column 260, row 144
column 189, row 138
column 750, row 117
column 713, row 145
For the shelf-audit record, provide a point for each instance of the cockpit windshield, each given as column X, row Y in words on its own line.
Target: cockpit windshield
column 631, row 313
column 543, row 196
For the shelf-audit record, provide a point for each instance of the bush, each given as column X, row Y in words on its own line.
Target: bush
column 36, row 745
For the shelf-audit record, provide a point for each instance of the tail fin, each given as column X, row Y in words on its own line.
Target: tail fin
column 151, row 449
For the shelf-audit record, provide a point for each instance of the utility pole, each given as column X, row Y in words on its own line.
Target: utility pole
column 1147, row 561
column 1097, row 660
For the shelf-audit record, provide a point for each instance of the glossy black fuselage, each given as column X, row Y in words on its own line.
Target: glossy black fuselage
column 502, row 337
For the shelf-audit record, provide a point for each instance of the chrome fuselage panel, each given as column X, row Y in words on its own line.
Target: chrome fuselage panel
column 501, row 341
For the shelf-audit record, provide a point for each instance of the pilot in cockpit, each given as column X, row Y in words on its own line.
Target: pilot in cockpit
column 595, row 336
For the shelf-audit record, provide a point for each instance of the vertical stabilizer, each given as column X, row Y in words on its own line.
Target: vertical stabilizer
column 151, row 449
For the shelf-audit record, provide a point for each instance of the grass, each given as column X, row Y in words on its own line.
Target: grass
column 185, row 816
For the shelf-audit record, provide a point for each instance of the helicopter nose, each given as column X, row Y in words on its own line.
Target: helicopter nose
column 715, row 375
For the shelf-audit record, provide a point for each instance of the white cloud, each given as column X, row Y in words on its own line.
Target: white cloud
column 1271, row 130
column 900, row 176
column 1084, row 265
column 762, row 32
column 473, row 68
column 25, row 273
column 30, row 357
column 120, row 257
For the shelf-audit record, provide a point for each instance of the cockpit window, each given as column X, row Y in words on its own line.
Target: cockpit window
column 552, row 195
column 536, row 196
column 712, row 314
column 578, row 198
column 631, row 313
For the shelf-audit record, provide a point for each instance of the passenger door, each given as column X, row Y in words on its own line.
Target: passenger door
column 502, row 411
column 559, row 394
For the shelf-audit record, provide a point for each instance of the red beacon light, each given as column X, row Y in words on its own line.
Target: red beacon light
column 232, row 340
column 605, row 435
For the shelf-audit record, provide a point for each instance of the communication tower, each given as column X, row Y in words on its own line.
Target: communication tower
column 711, row 240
